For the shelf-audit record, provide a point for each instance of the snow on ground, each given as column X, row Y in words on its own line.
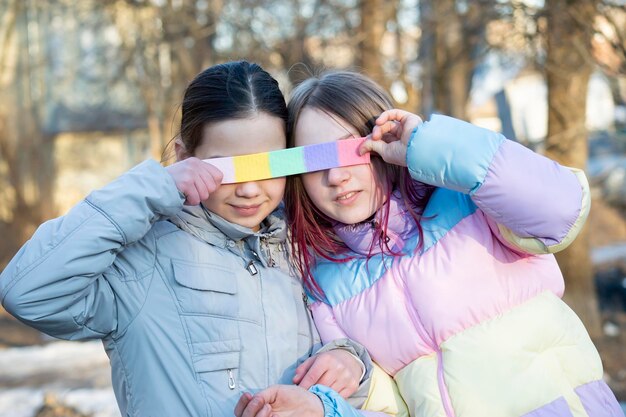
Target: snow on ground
column 77, row 374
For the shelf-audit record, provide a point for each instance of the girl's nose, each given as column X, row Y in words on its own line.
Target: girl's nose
column 336, row 176
column 248, row 189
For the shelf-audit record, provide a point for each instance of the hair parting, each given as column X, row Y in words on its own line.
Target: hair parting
column 232, row 90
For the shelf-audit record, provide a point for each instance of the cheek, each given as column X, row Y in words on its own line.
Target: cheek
column 367, row 177
column 313, row 184
column 275, row 188
column 365, row 173
column 219, row 195
column 376, row 190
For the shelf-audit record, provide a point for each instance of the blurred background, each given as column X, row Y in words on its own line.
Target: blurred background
column 90, row 88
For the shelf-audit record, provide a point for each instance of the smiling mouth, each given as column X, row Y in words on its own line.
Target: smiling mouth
column 346, row 196
column 246, row 208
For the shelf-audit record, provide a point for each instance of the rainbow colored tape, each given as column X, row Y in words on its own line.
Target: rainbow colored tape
column 261, row 166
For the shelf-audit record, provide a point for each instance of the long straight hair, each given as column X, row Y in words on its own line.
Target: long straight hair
column 357, row 100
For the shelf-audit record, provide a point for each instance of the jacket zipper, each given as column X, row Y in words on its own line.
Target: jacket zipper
column 310, row 325
column 231, row 379
column 417, row 323
column 252, row 268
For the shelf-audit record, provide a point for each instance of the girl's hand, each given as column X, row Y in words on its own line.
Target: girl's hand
column 337, row 369
column 390, row 137
column 280, row 401
column 195, row 179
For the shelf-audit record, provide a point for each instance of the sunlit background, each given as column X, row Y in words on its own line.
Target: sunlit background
column 90, row 88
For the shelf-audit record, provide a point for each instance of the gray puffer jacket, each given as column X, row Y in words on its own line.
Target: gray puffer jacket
column 192, row 310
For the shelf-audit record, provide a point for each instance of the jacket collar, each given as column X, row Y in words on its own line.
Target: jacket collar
column 217, row 231
column 358, row 237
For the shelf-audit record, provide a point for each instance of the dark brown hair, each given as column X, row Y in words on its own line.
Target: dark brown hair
column 233, row 90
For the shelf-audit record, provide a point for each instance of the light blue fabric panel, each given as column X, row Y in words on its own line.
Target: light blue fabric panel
column 451, row 153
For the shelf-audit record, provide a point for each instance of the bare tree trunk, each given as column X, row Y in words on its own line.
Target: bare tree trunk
column 374, row 17
column 447, row 34
column 405, row 78
column 568, row 69
column 427, row 57
column 447, row 53
column 293, row 51
column 25, row 151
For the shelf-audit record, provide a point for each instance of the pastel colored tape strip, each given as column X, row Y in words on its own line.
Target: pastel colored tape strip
column 261, row 166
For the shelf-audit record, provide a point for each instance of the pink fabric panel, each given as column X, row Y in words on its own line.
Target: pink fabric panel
column 469, row 276
column 494, row 229
column 378, row 319
column 325, row 322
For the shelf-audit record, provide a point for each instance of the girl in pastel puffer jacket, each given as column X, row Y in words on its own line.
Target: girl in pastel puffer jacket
column 443, row 271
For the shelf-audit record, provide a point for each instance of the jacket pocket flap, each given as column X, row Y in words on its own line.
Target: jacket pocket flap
column 205, row 277
column 217, row 362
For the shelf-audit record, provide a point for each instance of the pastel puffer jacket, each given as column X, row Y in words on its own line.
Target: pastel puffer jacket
column 471, row 323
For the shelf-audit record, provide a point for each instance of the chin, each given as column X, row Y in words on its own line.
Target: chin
column 256, row 224
column 352, row 220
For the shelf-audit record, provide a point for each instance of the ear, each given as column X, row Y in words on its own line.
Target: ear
column 180, row 150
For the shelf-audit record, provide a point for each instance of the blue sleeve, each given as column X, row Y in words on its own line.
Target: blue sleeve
column 450, row 153
column 57, row 282
column 533, row 203
column 334, row 404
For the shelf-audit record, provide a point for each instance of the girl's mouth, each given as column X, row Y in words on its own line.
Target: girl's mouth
column 347, row 198
column 247, row 210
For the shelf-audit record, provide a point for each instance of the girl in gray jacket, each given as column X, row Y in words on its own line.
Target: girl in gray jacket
column 186, row 282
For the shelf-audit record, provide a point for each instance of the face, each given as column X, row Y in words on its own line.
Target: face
column 347, row 194
column 248, row 203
